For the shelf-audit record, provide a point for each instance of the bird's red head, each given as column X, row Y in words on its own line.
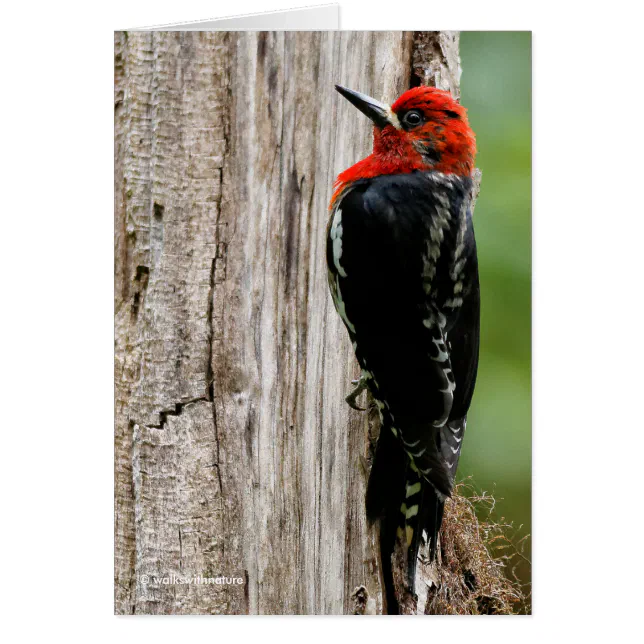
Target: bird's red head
column 425, row 129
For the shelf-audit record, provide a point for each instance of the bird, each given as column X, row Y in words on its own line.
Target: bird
column 403, row 276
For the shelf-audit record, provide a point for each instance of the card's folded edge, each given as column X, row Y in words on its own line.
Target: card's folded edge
column 317, row 18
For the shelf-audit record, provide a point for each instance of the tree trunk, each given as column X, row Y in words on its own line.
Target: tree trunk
column 236, row 455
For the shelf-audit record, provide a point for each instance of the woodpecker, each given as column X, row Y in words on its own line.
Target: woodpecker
column 403, row 275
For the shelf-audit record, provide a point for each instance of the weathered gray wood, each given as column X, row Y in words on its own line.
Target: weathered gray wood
column 171, row 95
column 235, row 453
column 436, row 60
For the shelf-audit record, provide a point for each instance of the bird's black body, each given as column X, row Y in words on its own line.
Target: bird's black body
column 403, row 274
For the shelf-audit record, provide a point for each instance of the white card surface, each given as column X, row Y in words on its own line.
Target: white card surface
column 320, row 18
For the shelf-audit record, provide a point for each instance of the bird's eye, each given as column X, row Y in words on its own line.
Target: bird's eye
column 413, row 118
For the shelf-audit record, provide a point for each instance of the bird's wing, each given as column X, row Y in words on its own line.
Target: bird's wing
column 463, row 344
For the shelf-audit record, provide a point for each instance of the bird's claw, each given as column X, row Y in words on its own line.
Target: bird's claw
column 360, row 386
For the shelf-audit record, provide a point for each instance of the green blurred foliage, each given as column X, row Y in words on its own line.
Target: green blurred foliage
column 496, row 90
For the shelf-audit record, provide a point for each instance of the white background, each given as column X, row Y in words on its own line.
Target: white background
column 57, row 265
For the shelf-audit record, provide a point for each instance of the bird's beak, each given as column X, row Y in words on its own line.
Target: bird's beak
column 378, row 112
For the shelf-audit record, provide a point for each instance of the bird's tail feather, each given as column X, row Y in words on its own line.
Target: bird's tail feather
column 407, row 506
column 384, row 490
column 422, row 515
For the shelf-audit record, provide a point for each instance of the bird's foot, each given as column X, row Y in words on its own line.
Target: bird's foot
column 360, row 386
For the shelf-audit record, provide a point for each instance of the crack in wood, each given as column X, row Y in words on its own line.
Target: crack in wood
column 177, row 411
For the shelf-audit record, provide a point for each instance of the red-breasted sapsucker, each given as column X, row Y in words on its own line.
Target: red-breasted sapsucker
column 404, row 278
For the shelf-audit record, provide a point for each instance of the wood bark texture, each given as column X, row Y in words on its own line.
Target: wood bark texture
column 236, row 455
